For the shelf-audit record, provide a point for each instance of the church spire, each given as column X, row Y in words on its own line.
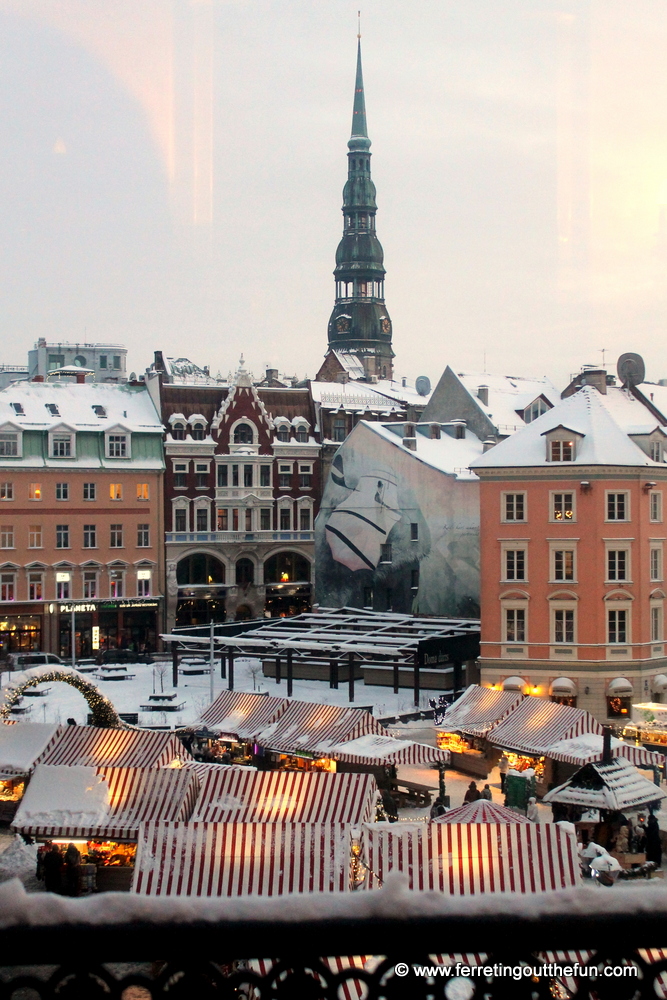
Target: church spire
column 360, row 324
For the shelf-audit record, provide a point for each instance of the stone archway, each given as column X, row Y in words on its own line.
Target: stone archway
column 103, row 712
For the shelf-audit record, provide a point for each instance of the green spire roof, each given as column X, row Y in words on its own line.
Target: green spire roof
column 359, row 127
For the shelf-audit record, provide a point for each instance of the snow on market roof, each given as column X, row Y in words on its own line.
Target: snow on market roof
column 588, row 747
column 374, row 749
column 478, row 709
column 243, row 795
column 472, row 858
column 316, row 728
column 616, row 785
column 481, row 811
column 603, row 422
column 241, row 715
column 242, row 859
column 96, row 747
column 22, row 744
column 534, row 725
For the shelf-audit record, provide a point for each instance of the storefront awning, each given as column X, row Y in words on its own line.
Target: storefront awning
column 564, row 687
column 620, row 686
column 514, row 684
column 659, row 684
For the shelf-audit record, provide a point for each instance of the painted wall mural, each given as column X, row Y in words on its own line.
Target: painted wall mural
column 395, row 532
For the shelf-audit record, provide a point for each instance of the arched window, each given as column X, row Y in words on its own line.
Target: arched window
column 302, row 435
column 283, row 434
column 287, row 567
column 178, row 432
column 245, row 572
column 198, row 432
column 199, row 570
column 243, row 434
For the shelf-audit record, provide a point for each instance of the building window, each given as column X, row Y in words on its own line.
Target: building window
column 563, row 564
column 247, row 475
column 144, row 586
column 619, row 706
column 243, row 434
column 235, row 475
column 180, row 476
column 35, row 491
column 265, row 519
column 61, row 446
column 414, row 579
column 562, row 506
column 34, row 536
column 515, row 564
column 89, row 584
column 617, row 507
column 223, row 520
column 656, row 623
column 62, row 491
column 617, row 626
column 304, row 519
column 201, row 476
column 143, row 492
column 62, row 586
column 115, row 491
column 89, row 536
column 9, row 445
column 116, row 582
column 235, row 519
column 35, row 587
column 56, row 361
column 223, row 475
column 535, row 410
column 305, row 476
column 103, row 361
column 245, row 573
column 198, row 432
column 7, row 585
column 564, row 626
column 656, row 451
column 89, row 491
column 515, row 625
column 283, row 434
column 414, row 531
column 302, row 435
column 514, row 507
column 560, row 451
column 339, row 429
column 617, row 564
column 180, row 519
column 248, row 519
column 117, row 446
column 656, row 506
column 116, row 536
column 144, row 533
column 285, row 521
column 6, row 491
column 385, row 552
column 284, row 476
column 178, row 432
column 62, row 536
column 265, row 475
column 656, row 563
column 6, row 536
column 116, row 362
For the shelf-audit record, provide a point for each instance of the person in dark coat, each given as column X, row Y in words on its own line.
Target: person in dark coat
column 438, row 808
column 389, row 803
column 486, row 793
column 653, row 844
column 473, row 793
column 52, row 867
column 72, row 869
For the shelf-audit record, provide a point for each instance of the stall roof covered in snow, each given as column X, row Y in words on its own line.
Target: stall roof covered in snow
column 96, row 747
column 616, row 785
column 22, row 744
column 478, row 709
column 588, row 747
column 534, row 725
column 374, row 749
column 240, row 715
column 481, row 811
column 317, row 728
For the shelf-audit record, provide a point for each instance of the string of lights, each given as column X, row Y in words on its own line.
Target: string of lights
column 103, row 712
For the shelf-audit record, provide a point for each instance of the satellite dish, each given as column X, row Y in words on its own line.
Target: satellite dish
column 423, row 385
column 631, row 369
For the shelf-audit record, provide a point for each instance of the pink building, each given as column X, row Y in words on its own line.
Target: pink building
column 572, row 551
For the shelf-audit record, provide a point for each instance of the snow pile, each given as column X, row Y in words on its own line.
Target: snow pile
column 22, row 744
column 18, row 860
column 64, row 796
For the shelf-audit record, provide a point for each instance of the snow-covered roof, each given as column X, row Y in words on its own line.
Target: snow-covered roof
column 448, row 454
column 22, row 744
column 616, row 785
column 589, row 747
column 354, row 396
column 602, row 422
column 182, row 371
column 118, row 405
column 478, row 709
column 506, row 395
column 482, row 811
column 351, row 363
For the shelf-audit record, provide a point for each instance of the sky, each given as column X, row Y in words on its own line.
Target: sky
column 172, row 172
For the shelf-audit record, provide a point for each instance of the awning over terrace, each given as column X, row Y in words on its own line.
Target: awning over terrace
column 616, row 785
column 240, row 715
column 95, row 747
column 535, row 725
column 242, row 859
column 241, row 795
column 463, row 860
column 102, row 803
column 478, row 709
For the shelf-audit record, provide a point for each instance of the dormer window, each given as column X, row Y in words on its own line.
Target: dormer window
column 53, row 409
column 656, row 451
column 99, row 411
column 535, row 410
column 283, row 434
column 561, row 451
column 118, row 443
column 9, row 445
column 198, row 432
column 61, row 446
column 178, row 432
column 562, row 444
column 18, row 409
column 302, row 435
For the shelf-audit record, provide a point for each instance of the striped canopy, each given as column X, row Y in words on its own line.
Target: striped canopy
column 586, row 748
column 90, row 746
column 481, row 811
column 465, row 860
column 315, row 728
column 534, row 725
column 478, row 709
column 22, row 744
column 242, row 795
column 102, row 803
column 374, row 749
column 241, row 715
column 242, row 859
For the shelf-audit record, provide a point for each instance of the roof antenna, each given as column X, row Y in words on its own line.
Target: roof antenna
column 358, row 24
column 603, row 351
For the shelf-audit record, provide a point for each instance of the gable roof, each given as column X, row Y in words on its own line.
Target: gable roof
column 616, row 785
column 478, row 709
column 536, row 724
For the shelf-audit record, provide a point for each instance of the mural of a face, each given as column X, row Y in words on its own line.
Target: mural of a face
column 360, row 525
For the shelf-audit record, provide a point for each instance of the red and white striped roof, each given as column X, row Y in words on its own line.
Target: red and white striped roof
column 22, row 744
column 481, row 811
column 348, row 989
column 242, row 859
column 308, row 726
column 375, row 749
column 465, row 860
column 132, row 796
column 90, row 746
column 535, row 724
column 478, row 709
column 241, row 715
column 242, row 795
column 587, row 748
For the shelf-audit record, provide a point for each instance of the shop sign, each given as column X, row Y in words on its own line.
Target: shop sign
column 76, row 608
column 96, row 637
column 114, row 605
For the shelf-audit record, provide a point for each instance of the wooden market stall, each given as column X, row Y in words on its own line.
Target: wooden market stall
column 464, row 726
column 92, row 746
column 481, row 811
column 230, row 725
column 21, row 744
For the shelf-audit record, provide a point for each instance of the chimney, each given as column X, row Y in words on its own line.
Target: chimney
column 271, row 374
column 483, row 394
column 488, row 444
column 38, row 378
column 80, row 378
column 606, row 745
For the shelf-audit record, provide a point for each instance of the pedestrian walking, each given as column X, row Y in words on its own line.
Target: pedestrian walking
column 503, row 767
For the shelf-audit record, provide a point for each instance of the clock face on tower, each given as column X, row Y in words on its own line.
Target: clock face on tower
column 386, row 326
column 342, row 324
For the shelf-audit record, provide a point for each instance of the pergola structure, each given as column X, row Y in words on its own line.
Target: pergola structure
column 346, row 636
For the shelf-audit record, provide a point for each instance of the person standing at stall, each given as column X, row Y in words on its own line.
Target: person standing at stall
column 52, row 867
column 503, row 767
column 653, row 844
column 72, row 868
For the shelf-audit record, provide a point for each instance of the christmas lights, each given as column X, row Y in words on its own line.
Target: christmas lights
column 103, row 712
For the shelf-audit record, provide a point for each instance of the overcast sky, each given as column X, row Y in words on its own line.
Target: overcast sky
column 171, row 178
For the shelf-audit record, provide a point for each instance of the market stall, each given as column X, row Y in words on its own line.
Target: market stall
column 481, row 811
column 100, row 809
column 229, row 726
column 471, row 858
column 649, row 727
column 92, row 746
column 242, row 859
column 463, row 727
column 21, row 744
column 611, row 786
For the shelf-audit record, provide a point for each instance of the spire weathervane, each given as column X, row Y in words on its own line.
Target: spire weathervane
column 358, row 24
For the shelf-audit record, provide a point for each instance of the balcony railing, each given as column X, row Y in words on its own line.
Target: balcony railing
column 222, row 537
column 281, row 948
